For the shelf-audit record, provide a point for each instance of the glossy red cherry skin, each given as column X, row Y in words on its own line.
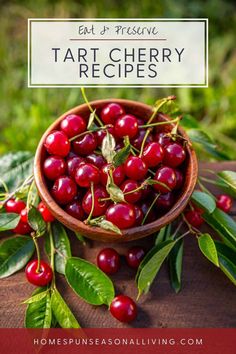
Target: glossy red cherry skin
column 76, row 210
column 108, row 260
column 42, row 278
column 123, row 308
column 128, row 186
column 64, row 190
column 23, row 228
column 138, row 215
column 96, row 160
column 165, row 175
column 163, row 139
column 57, row 143
column 14, row 206
column 194, row 218
column 138, row 139
column 87, row 174
column 100, row 207
column 46, row 214
column 24, row 215
column 135, row 256
column 165, row 201
column 100, row 134
column 144, row 206
column 174, row 155
column 118, row 174
column 73, row 163
column 111, row 112
column 153, row 154
column 224, row 202
column 85, row 145
column 54, row 167
column 179, row 179
column 121, row 214
column 135, row 168
column 126, row 125
column 73, row 125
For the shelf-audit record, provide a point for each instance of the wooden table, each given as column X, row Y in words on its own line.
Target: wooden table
column 207, row 298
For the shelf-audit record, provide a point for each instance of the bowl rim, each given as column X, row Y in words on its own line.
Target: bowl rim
column 93, row 232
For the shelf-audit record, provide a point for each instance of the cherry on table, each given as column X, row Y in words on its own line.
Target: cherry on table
column 108, row 260
column 24, row 215
column 174, row 154
column 126, row 125
column 76, row 210
column 153, row 154
column 224, row 202
column 73, row 125
column 121, row 214
column 194, row 218
column 165, row 175
column 41, row 278
column 46, row 214
column 64, row 190
column 85, row 144
column 14, row 206
column 54, row 167
column 129, row 186
column 118, row 174
column 57, row 143
column 99, row 206
column 135, row 256
column 135, row 168
column 73, row 163
column 123, row 308
column 111, row 112
column 87, row 174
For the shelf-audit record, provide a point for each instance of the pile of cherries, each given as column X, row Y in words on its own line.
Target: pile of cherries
column 74, row 162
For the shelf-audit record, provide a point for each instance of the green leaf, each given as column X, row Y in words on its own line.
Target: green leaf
column 91, row 119
column 61, row 311
column 108, row 147
column 15, row 254
column 36, row 297
column 62, row 244
column 15, row 168
column 36, row 221
column 105, row 224
column 115, row 192
column 89, row 282
column 204, row 201
column 80, row 237
column 151, row 267
column 175, row 265
column 39, row 313
column 223, row 224
column 8, row 221
column 121, row 156
column 33, row 197
column 208, row 248
column 229, row 178
column 227, row 260
column 163, row 234
column 189, row 122
column 201, row 137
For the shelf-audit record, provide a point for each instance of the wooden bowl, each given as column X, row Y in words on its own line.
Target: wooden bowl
column 96, row 233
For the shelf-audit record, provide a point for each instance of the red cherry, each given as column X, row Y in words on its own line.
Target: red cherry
column 126, row 125
column 179, row 179
column 135, row 256
column 14, row 206
column 73, row 163
column 163, row 139
column 118, row 174
column 87, row 174
column 54, row 167
column 121, row 214
column 57, row 143
column 108, row 260
column 224, row 202
column 41, row 278
column 153, row 154
column 127, row 187
column 99, row 206
column 22, row 228
column 96, row 160
column 46, row 214
column 85, row 144
column 165, row 175
column 100, row 134
column 194, row 218
column 123, row 308
column 135, row 168
column 24, row 215
column 151, row 215
column 64, row 190
column 138, row 139
column 73, row 125
column 75, row 209
column 165, row 201
column 174, row 155
column 111, row 112
column 138, row 215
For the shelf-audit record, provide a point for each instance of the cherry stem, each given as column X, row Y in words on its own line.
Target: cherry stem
column 150, row 208
column 89, row 132
column 25, row 183
column 160, row 123
column 203, row 188
column 92, row 209
column 89, row 106
column 143, row 142
column 192, row 229
column 4, row 186
column 157, row 108
column 38, row 253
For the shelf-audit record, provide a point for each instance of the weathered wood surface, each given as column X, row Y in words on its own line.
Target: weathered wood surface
column 207, row 298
